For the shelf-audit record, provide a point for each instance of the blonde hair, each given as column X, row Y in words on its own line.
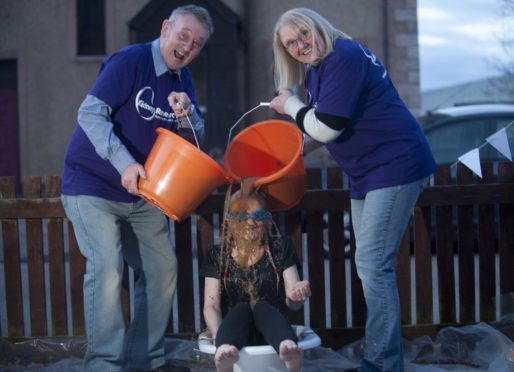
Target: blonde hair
column 289, row 73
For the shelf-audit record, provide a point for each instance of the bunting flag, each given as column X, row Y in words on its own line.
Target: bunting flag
column 471, row 159
column 500, row 142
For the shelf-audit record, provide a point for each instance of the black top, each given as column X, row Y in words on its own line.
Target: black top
column 284, row 256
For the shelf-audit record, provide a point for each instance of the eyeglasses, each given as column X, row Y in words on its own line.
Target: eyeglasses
column 185, row 37
column 303, row 36
column 258, row 215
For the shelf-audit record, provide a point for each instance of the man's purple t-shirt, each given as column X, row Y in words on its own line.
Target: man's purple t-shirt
column 128, row 83
column 383, row 145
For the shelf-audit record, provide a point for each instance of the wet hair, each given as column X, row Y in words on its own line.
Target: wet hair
column 201, row 14
column 232, row 237
column 290, row 73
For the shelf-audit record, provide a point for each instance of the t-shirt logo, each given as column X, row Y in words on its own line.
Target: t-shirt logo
column 310, row 100
column 146, row 109
column 373, row 58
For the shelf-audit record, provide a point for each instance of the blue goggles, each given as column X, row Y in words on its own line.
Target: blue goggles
column 258, row 215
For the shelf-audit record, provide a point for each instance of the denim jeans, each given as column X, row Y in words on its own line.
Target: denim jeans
column 379, row 222
column 108, row 233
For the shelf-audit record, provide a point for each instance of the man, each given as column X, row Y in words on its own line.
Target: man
column 138, row 89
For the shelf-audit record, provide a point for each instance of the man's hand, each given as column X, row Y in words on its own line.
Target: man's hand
column 130, row 176
column 180, row 104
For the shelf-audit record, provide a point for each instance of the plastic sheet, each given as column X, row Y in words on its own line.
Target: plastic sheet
column 480, row 347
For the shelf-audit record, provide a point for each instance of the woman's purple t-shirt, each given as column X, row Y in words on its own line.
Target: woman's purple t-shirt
column 383, row 145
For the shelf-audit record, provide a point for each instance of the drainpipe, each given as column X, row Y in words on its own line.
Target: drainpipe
column 385, row 30
column 246, row 51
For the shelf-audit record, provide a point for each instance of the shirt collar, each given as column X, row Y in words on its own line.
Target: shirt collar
column 158, row 61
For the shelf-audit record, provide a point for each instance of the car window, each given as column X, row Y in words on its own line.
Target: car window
column 451, row 139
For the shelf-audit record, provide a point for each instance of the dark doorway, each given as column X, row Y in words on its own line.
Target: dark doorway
column 215, row 71
column 9, row 147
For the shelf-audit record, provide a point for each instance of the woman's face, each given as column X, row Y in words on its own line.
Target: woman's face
column 299, row 43
column 249, row 223
column 253, row 227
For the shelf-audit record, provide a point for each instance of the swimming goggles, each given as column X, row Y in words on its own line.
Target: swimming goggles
column 258, row 215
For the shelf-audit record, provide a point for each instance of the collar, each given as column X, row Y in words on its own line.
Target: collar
column 158, row 62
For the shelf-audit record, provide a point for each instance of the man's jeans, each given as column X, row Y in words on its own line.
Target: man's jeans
column 100, row 226
column 379, row 222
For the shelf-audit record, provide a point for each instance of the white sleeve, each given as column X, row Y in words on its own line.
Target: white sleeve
column 311, row 125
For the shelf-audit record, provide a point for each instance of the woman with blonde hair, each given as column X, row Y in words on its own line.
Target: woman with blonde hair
column 352, row 107
column 251, row 279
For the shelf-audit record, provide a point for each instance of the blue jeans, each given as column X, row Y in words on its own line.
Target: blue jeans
column 108, row 233
column 379, row 222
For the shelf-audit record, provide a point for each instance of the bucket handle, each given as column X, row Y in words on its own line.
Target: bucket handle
column 262, row 104
column 191, row 125
column 246, row 113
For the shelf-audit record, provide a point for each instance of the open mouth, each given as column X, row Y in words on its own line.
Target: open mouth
column 251, row 233
column 179, row 55
column 306, row 51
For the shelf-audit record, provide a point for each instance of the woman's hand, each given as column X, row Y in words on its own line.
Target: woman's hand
column 300, row 292
column 279, row 101
column 296, row 291
column 180, row 103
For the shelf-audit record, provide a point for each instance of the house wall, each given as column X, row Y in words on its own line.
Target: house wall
column 52, row 80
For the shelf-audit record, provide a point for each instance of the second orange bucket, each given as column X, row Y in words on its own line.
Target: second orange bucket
column 179, row 176
column 271, row 152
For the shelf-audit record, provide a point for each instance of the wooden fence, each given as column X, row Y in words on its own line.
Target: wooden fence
column 462, row 230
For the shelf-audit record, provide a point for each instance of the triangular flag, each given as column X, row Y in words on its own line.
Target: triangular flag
column 471, row 159
column 500, row 142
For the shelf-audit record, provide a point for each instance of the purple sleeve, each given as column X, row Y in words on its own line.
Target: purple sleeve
column 342, row 80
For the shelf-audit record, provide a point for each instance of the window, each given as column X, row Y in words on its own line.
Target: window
column 90, row 27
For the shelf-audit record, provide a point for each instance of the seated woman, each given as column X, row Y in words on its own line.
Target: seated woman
column 250, row 281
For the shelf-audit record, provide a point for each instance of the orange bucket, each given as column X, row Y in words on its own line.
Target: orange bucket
column 179, row 176
column 271, row 152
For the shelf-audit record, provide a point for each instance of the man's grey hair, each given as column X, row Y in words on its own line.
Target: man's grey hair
column 199, row 12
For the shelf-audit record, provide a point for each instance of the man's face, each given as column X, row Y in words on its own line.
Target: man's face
column 182, row 40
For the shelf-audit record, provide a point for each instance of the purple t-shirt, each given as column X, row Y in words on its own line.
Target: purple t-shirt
column 129, row 84
column 383, row 145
